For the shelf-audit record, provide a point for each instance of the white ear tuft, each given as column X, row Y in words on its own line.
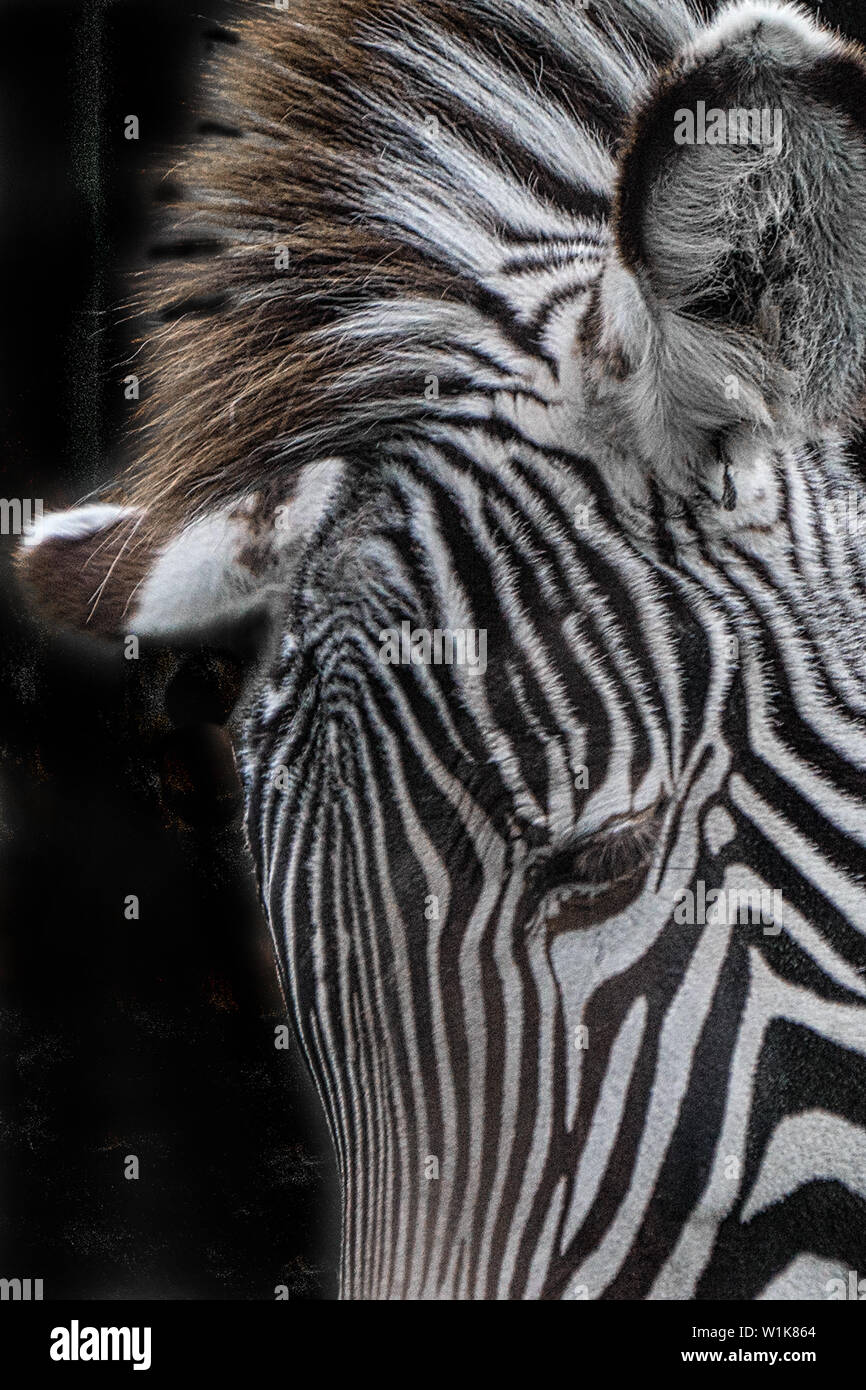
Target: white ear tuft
column 76, row 523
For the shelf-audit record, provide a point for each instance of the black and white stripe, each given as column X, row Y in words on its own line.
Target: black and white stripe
column 703, row 662
column 477, row 347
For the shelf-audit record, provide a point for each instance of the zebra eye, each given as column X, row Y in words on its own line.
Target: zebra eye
column 599, row 874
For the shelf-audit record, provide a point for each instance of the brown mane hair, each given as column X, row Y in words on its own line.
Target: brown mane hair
column 238, row 367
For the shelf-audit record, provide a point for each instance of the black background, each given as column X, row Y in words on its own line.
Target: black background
column 152, row 1037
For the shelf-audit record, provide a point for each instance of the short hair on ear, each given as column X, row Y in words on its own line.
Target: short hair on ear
column 740, row 215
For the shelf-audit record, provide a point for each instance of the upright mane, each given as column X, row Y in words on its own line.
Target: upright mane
column 347, row 229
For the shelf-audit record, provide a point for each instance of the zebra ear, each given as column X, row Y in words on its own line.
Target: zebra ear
column 114, row 569
column 737, row 295
column 84, row 566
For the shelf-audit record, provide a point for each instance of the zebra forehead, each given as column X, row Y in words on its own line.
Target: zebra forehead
column 406, row 608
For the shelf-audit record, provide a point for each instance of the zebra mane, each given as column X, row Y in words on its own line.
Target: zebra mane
column 345, row 228
column 358, row 235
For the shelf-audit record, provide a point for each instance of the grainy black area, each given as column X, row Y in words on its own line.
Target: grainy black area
column 154, row 1037
column 118, row 1037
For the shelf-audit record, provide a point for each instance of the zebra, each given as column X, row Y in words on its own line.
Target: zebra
column 467, row 342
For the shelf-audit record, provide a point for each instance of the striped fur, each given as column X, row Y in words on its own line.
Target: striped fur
column 540, row 1082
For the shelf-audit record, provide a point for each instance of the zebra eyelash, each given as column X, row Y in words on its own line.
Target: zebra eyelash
column 593, row 866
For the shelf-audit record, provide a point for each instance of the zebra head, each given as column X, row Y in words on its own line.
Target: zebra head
column 524, row 416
